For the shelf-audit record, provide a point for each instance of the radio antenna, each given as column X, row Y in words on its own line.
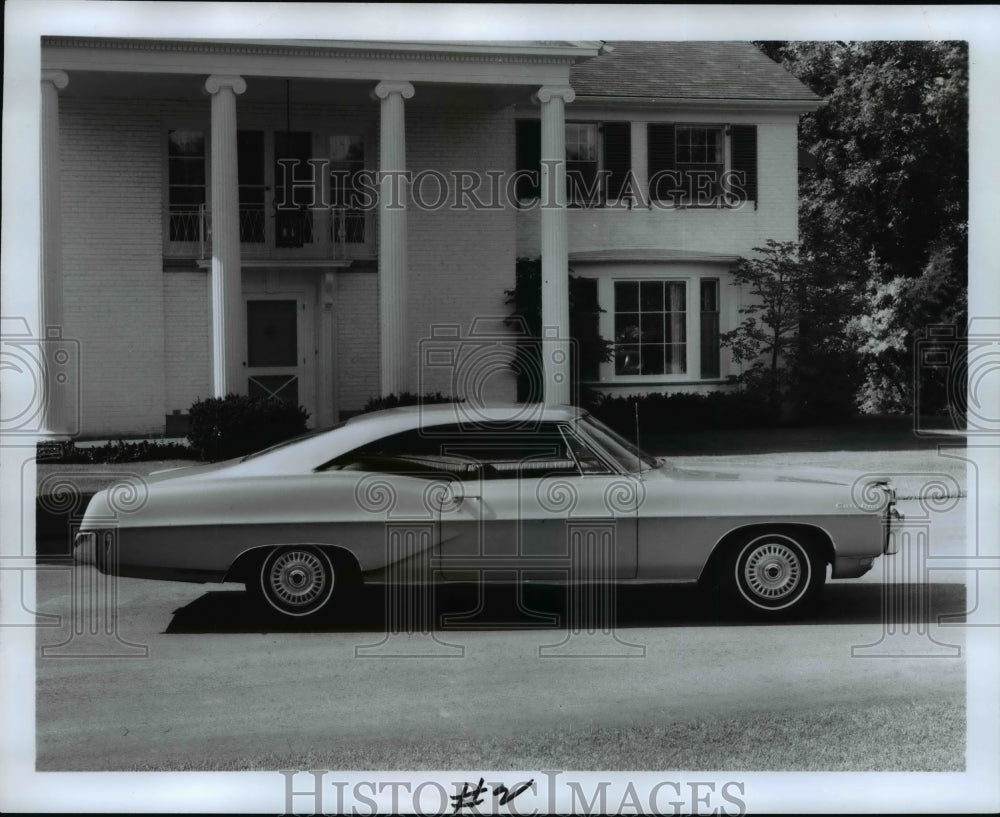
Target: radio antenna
column 638, row 448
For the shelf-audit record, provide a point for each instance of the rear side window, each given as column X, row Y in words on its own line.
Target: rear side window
column 488, row 453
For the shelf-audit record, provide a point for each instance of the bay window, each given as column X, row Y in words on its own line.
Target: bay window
column 664, row 330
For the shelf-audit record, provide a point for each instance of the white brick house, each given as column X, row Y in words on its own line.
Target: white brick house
column 168, row 257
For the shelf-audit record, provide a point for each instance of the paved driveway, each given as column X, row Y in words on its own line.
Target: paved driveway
column 221, row 684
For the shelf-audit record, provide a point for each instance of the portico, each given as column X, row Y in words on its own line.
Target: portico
column 344, row 85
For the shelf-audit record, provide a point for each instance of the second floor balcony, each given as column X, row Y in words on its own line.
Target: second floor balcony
column 327, row 234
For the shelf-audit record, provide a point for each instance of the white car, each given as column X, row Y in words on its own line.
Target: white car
column 452, row 493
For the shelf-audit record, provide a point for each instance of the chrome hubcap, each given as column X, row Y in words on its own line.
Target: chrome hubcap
column 298, row 577
column 773, row 571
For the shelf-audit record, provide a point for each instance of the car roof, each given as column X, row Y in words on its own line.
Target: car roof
column 471, row 413
column 313, row 450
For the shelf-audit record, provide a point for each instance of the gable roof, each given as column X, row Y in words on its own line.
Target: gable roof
column 686, row 70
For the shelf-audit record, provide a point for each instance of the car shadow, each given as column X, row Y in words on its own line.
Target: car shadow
column 499, row 607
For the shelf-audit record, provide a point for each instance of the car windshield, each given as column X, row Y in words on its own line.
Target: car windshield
column 630, row 457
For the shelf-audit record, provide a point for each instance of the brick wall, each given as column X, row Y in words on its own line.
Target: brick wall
column 356, row 345
column 735, row 231
column 187, row 339
column 461, row 261
column 112, row 261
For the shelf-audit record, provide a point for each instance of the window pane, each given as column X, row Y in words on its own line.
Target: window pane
column 651, row 296
column 185, row 143
column 675, row 295
column 250, row 157
column 652, row 327
column 652, row 359
column 626, row 327
column 626, row 296
column 673, row 327
column 627, row 360
column 186, row 170
column 347, row 148
column 271, row 333
column 186, row 198
column 713, row 149
column 676, row 358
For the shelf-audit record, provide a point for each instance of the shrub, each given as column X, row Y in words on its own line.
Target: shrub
column 234, row 425
column 664, row 413
column 114, row 452
column 406, row 399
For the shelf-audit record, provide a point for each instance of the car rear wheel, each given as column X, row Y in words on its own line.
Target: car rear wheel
column 297, row 581
column 774, row 575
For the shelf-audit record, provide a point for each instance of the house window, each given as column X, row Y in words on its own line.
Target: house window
column 598, row 160
column 650, row 327
column 581, row 163
column 295, row 188
column 692, row 165
column 250, row 167
column 347, row 195
column 185, row 184
column 710, row 328
column 700, row 162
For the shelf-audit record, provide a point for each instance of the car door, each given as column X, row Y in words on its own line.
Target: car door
column 542, row 505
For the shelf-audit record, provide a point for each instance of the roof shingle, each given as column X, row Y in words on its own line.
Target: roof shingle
column 686, row 70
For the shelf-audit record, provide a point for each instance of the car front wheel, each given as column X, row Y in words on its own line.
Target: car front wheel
column 774, row 575
column 297, row 581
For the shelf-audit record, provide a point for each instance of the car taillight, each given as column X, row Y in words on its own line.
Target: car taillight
column 892, row 516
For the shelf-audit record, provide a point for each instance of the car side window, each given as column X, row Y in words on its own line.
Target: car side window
column 514, row 452
column 490, row 452
column 409, row 453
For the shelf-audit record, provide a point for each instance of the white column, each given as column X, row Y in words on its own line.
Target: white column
column 51, row 296
column 555, row 263
column 227, row 282
column 392, row 260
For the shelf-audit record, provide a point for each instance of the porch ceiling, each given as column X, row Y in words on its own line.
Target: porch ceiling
column 262, row 90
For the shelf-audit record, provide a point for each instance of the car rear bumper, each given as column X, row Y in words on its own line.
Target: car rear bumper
column 893, row 520
column 99, row 548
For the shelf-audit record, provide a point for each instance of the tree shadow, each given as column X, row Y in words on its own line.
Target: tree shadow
column 500, row 607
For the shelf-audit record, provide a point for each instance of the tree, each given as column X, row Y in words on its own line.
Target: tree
column 885, row 210
column 767, row 338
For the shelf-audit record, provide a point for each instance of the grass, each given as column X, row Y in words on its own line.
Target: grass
column 914, row 736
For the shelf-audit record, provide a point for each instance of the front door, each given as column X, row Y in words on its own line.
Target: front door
column 279, row 349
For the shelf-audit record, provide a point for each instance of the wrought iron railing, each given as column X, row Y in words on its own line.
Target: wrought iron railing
column 334, row 233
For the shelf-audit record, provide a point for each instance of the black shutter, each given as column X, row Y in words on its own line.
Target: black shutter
column 529, row 156
column 660, row 154
column 744, row 141
column 617, row 157
column 583, row 325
